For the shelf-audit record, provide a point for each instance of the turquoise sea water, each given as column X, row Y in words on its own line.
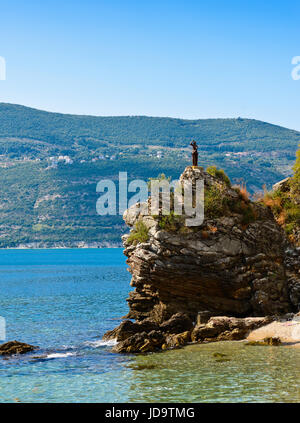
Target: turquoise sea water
column 64, row 300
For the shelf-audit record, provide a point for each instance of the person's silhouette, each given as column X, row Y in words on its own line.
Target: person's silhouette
column 194, row 153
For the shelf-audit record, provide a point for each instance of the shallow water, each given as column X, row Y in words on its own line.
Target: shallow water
column 64, row 300
column 242, row 374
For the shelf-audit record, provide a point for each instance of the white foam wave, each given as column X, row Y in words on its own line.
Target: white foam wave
column 101, row 343
column 68, row 347
column 59, row 355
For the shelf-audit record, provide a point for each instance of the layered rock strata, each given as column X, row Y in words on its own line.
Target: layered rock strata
column 237, row 263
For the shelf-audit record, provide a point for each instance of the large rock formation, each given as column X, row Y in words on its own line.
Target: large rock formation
column 233, row 264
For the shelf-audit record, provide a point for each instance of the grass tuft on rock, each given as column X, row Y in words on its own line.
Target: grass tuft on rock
column 170, row 222
column 219, row 174
column 139, row 233
column 216, row 204
column 160, row 177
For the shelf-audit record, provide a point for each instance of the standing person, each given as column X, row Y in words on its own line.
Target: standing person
column 194, row 153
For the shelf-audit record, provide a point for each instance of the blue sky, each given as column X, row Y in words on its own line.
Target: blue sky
column 188, row 59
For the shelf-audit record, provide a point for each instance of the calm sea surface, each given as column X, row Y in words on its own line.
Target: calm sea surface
column 64, row 300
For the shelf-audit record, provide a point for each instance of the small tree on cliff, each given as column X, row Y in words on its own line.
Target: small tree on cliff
column 296, row 177
column 285, row 203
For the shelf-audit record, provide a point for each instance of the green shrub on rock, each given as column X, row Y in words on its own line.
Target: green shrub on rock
column 285, row 203
column 295, row 182
column 219, row 174
column 217, row 204
column 214, row 202
column 160, row 177
column 170, row 222
column 138, row 234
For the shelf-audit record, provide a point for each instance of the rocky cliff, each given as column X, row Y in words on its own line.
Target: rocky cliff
column 238, row 263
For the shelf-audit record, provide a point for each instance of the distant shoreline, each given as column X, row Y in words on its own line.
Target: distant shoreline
column 63, row 247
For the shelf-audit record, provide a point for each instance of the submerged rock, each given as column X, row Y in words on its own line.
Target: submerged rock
column 219, row 355
column 15, row 347
column 273, row 341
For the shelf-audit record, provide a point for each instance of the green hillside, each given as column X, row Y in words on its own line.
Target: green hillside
column 52, row 201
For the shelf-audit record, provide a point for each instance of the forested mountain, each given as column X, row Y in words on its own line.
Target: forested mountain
column 50, row 164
